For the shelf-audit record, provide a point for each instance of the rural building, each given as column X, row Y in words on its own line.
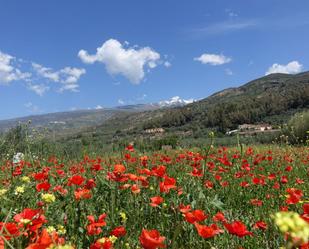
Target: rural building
column 154, row 131
column 255, row 127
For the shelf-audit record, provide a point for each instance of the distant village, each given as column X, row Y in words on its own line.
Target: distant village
column 250, row 129
column 244, row 129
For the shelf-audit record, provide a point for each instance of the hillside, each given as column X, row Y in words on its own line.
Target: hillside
column 72, row 121
column 273, row 99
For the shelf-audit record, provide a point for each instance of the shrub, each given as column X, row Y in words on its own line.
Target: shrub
column 298, row 127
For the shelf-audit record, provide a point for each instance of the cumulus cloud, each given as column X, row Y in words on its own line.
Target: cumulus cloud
column 8, row 72
column 129, row 62
column 68, row 76
column 69, row 87
column 98, row 107
column 71, row 74
column 167, row 64
column 213, row 59
column 121, row 102
column 46, row 72
column 231, row 13
column 32, row 108
column 38, row 89
column 291, row 68
column 11, row 69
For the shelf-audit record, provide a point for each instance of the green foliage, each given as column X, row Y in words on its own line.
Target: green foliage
column 297, row 128
column 15, row 140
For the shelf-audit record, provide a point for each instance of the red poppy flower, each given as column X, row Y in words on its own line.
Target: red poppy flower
column 195, row 216
column 76, row 180
column 119, row 168
column 103, row 243
column 256, row 202
column 218, row 217
column 237, row 228
column 130, row 148
column 82, row 194
column 46, row 240
column 40, row 176
column 284, row 179
column 119, row 231
column 43, row 186
column 156, row 201
column 31, row 218
column 151, row 239
column 260, row 225
column 9, row 230
column 209, row 184
column 196, row 172
column 168, row 184
column 244, row 184
column 288, row 168
column 184, row 209
column 60, row 190
column 94, row 227
column 158, row 171
column 208, row 231
column 294, row 196
column 135, row 189
column 90, row 184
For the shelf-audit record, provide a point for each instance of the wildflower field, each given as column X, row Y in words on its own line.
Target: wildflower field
column 204, row 198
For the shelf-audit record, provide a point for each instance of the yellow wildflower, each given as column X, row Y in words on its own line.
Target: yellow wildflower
column 19, row 190
column 61, row 229
column 25, row 179
column 292, row 223
column 3, row 191
column 112, row 238
column 48, row 198
column 123, row 217
column 50, row 229
column 60, row 247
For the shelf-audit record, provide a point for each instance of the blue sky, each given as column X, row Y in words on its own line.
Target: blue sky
column 65, row 55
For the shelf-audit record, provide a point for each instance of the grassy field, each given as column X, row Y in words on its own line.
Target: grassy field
column 214, row 197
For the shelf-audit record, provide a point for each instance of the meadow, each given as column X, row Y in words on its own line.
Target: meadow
column 213, row 197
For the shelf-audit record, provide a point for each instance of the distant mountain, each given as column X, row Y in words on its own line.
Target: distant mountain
column 72, row 121
column 272, row 99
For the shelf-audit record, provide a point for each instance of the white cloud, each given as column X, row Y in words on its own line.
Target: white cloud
column 167, row 64
column 38, row 89
column 121, row 102
column 291, row 68
column 8, row 72
column 225, row 27
column 231, row 13
column 71, row 74
column 98, row 107
column 213, row 59
column 32, row 108
column 46, row 72
column 68, row 76
column 69, row 87
column 129, row 62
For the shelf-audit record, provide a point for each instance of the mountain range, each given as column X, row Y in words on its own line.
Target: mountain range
column 272, row 99
column 71, row 121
